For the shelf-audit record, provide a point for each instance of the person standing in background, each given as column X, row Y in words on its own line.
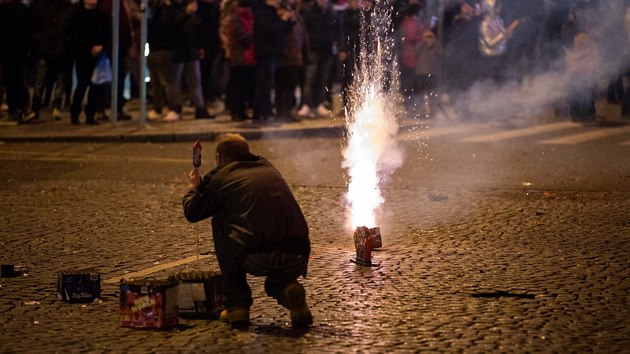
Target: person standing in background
column 188, row 52
column 209, row 13
column 349, row 42
column 290, row 66
column 625, row 98
column 127, row 39
column 320, row 25
column 187, row 55
column 271, row 23
column 239, row 44
column 52, row 21
column 88, row 38
column 493, row 41
column 161, row 61
column 15, row 32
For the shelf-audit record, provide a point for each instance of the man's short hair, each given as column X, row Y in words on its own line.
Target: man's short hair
column 230, row 146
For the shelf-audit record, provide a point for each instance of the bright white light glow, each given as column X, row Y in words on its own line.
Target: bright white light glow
column 371, row 152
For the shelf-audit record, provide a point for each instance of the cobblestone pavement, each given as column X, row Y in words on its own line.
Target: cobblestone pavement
column 482, row 271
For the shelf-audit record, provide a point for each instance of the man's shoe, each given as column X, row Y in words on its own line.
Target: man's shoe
column 102, row 116
column 123, row 116
column 295, row 297
column 203, row 114
column 216, row 107
column 56, row 114
column 30, row 117
column 235, row 316
column 322, row 110
column 91, row 121
column 305, row 111
column 154, row 115
column 172, row 116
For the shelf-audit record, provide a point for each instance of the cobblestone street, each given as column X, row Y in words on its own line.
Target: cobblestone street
column 482, row 271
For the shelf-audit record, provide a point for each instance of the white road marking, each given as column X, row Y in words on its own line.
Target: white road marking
column 429, row 132
column 151, row 270
column 518, row 133
column 69, row 156
column 597, row 133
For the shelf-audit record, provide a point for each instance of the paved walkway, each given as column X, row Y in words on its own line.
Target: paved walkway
column 190, row 129
column 186, row 129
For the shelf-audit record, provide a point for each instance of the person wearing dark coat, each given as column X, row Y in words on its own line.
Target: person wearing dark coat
column 15, row 19
column 52, row 21
column 349, row 41
column 320, row 25
column 290, row 68
column 188, row 52
column 127, row 38
column 257, row 227
column 462, row 50
column 271, row 23
column 240, row 45
column 209, row 12
column 161, row 61
column 88, row 41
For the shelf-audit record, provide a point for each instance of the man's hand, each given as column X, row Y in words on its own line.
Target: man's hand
column 342, row 56
column 96, row 50
column 194, row 178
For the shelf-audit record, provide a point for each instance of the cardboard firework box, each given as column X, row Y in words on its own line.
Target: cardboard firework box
column 199, row 294
column 78, row 285
column 12, row 271
column 148, row 303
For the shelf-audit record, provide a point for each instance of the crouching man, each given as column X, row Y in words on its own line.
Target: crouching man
column 257, row 227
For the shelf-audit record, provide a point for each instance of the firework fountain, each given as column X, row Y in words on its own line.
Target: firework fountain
column 371, row 152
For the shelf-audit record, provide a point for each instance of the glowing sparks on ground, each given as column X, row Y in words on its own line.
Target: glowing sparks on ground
column 371, row 151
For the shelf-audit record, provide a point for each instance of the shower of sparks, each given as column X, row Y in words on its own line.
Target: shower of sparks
column 371, row 152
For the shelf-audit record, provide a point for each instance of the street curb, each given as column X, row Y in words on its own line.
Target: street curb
column 168, row 137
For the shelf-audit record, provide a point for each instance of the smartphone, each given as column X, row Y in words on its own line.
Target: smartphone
column 196, row 158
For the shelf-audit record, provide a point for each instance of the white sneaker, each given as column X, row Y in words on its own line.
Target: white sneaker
column 153, row 115
column 56, row 114
column 322, row 111
column 172, row 116
column 216, row 108
column 305, row 111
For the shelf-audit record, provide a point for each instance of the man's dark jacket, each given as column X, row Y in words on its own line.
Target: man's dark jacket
column 251, row 206
column 269, row 31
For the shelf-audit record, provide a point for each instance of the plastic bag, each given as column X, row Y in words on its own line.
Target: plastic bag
column 102, row 71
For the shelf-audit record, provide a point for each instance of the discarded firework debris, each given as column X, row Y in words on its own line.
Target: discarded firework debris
column 148, row 303
column 12, row 271
column 199, row 294
column 365, row 240
column 78, row 285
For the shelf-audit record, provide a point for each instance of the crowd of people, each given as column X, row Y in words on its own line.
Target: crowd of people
column 250, row 57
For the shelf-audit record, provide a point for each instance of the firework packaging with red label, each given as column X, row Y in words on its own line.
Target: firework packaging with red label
column 148, row 303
